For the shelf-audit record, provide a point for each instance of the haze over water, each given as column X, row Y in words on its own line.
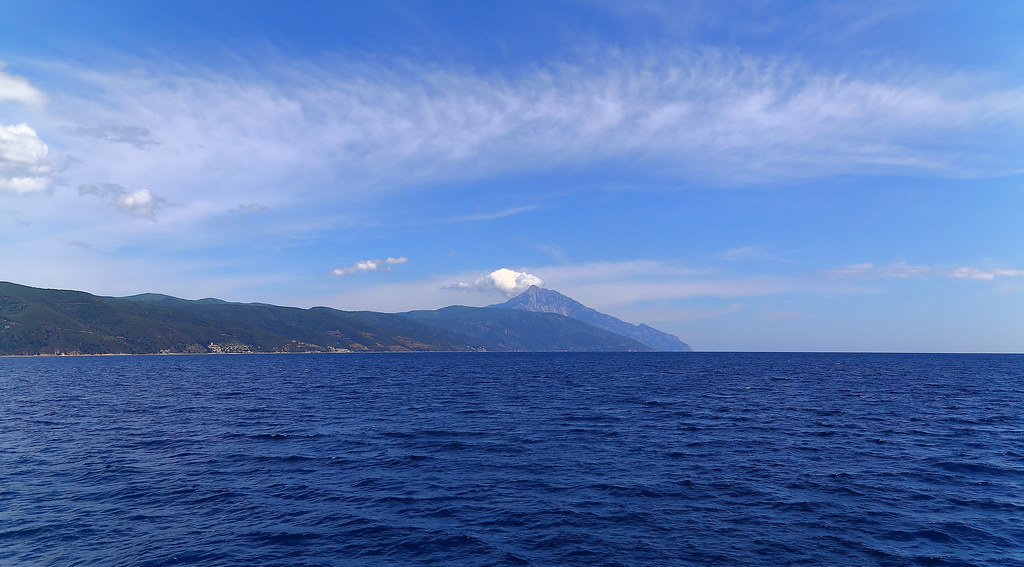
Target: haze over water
column 483, row 459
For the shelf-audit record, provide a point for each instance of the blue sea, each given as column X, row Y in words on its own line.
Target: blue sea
column 513, row 459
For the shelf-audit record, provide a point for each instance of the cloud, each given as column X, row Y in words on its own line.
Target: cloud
column 614, row 286
column 139, row 203
column 18, row 89
column 638, row 290
column 903, row 270
column 893, row 270
column 492, row 216
column 783, row 315
column 753, row 252
column 24, row 166
column 135, row 136
column 852, row 269
column 659, row 314
column 365, row 125
column 739, row 253
column 978, row 274
column 375, row 265
column 254, row 207
column 504, row 280
column 650, row 270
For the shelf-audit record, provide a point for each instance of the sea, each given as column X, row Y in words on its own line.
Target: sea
column 513, row 459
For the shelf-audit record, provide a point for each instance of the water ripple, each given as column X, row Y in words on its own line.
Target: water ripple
column 513, row 459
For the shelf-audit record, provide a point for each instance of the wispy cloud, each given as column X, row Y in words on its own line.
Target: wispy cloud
column 19, row 89
column 618, row 285
column 656, row 270
column 903, row 270
column 375, row 265
column 252, row 207
column 893, row 270
column 135, row 136
column 373, row 124
column 639, row 290
column 980, row 274
column 783, row 315
column 654, row 316
column 752, row 252
column 495, row 215
column 852, row 269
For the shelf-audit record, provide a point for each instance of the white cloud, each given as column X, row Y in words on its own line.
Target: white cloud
column 139, row 203
column 783, row 315
column 492, row 216
column 254, row 207
column 650, row 270
column 852, row 269
column 19, row 89
column 893, row 270
column 618, row 287
column 509, row 282
column 752, row 252
column 358, row 126
column 662, row 314
column 640, row 290
column 138, row 137
column 903, row 270
column 740, row 252
column 978, row 274
column 24, row 166
column 374, row 265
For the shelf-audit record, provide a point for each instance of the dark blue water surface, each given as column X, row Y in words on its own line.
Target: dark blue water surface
column 494, row 459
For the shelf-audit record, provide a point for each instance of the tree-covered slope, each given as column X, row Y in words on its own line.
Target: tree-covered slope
column 43, row 321
column 38, row 321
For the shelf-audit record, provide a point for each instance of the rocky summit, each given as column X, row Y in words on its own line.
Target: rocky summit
column 540, row 300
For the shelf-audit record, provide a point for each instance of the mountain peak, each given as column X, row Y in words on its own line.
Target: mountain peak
column 542, row 300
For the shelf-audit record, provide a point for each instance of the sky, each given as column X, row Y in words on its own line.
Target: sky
column 747, row 175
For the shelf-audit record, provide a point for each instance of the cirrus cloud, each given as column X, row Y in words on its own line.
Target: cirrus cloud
column 375, row 123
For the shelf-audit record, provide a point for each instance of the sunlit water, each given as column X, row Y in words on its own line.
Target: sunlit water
column 492, row 459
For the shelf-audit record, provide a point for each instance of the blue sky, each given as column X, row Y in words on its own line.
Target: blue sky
column 747, row 175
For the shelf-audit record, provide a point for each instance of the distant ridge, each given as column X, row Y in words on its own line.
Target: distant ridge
column 161, row 298
column 526, row 331
column 540, row 300
column 36, row 321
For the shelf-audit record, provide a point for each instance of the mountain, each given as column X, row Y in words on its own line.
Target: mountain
column 509, row 330
column 45, row 321
column 540, row 300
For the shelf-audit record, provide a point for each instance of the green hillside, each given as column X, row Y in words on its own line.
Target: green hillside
column 37, row 321
column 43, row 321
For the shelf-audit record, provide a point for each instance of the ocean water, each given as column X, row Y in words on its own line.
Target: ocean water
column 513, row 459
